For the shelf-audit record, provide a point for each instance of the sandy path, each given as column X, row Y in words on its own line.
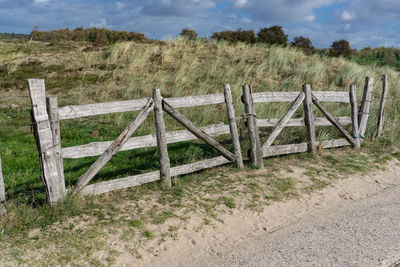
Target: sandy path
column 243, row 233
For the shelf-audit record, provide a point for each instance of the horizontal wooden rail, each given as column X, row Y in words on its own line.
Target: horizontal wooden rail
column 323, row 96
column 79, row 111
column 108, row 186
column 98, row 148
column 300, row 122
column 302, row 147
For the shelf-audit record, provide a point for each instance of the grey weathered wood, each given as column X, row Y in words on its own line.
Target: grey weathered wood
column 48, row 154
column 334, row 121
column 198, row 166
column 233, row 126
column 365, row 107
column 114, row 147
column 52, row 110
column 300, row 122
column 131, row 181
column 309, row 119
column 197, row 131
column 382, row 105
column 195, row 101
column 2, row 194
column 255, row 145
column 98, row 148
column 323, row 96
column 300, row 148
column 165, row 175
column 80, row 111
column 354, row 115
column 283, row 121
column 120, row 183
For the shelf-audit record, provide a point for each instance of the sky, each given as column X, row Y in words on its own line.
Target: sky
column 362, row 22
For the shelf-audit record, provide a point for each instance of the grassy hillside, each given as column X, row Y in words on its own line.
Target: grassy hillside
column 81, row 73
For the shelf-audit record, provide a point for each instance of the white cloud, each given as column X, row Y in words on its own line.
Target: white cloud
column 119, row 5
column 101, row 24
column 245, row 20
column 347, row 16
column 40, row 2
column 239, row 3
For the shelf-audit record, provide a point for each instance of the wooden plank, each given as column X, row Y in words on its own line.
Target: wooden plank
column 198, row 166
column 232, row 125
column 309, row 120
column 121, row 183
column 354, row 115
column 197, row 131
column 195, row 101
column 334, row 121
column 255, row 144
column 382, row 104
column 300, row 122
column 2, row 193
column 114, row 147
column 80, row 111
column 365, row 107
column 165, row 176
column 283, row 121
column 48, row 155
column 323, row 96
column 98, row 148
column 52, row 110
column 300, row 148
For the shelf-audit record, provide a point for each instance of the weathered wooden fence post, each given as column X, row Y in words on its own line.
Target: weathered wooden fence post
column 48, row 154
column 309, row 119
column 2, row 194
column 52, row 111
column 382, row 105
column 256, row 157
column 365, row 107
column 165, row 173
column 354, row 115
column 233, row 126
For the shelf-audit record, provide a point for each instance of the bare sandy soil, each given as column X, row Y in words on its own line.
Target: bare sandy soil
column 241, row 226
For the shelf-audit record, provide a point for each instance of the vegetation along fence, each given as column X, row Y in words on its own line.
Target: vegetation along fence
column 46, row 117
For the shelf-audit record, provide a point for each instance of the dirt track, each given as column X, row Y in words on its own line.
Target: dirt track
column 353, row 222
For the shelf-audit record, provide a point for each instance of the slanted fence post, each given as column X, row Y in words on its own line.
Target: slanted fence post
column 165, row 172
column 2, row 194
column 365, row 107
column 233, row 125
column 48, row 154
column 354, row 115
column 52, row 110
column 255, row 145
column 382, row 105
column 309, row 120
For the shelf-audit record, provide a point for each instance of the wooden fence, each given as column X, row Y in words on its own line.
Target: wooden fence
column 47, row 134
column 46, row 117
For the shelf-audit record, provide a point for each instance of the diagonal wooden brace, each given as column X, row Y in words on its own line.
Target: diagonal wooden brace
column 114, row 147
column 333, row 120
column 197, row 131
column 282, row 123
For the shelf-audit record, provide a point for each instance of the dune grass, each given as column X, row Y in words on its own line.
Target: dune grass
column 80, row 73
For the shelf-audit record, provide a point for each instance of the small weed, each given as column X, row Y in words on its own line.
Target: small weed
column 227, row 201
column 147, row 234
